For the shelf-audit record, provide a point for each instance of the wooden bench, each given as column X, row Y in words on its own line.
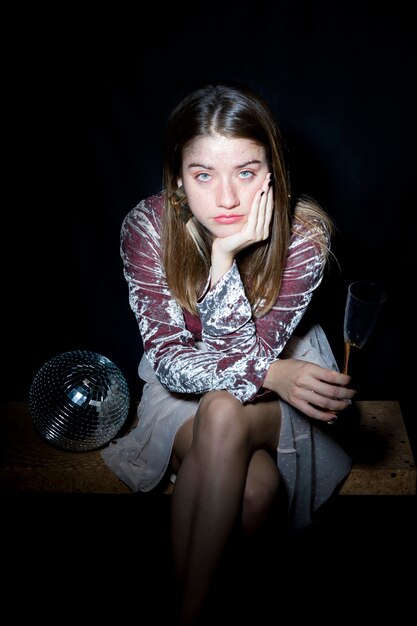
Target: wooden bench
column 384, row 464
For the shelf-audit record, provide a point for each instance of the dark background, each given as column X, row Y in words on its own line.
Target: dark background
column 86, row 93
column 89, row 95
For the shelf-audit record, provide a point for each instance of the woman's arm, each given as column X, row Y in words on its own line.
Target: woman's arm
column 239, row 350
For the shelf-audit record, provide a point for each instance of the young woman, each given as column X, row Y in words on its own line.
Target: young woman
column 221, row 267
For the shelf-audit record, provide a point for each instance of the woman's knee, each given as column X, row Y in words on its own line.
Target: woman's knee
column 219, row 416
column 216, row 402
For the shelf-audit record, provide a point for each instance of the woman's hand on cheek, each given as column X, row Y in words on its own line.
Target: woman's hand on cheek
column 256, row 227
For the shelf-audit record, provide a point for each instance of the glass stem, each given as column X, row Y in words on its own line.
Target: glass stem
column 346, row 357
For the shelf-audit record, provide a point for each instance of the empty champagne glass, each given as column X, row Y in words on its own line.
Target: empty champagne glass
column 363, row 305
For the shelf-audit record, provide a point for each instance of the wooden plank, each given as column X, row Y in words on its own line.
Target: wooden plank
column 31, row 465
column 384, row 464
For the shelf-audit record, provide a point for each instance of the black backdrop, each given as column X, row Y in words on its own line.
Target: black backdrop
column 89, row 96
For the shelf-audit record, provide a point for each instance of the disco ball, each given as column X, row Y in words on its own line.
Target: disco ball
column 79, row 400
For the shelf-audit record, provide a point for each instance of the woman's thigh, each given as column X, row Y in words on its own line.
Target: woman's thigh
column 262, row 420
column 264, row 423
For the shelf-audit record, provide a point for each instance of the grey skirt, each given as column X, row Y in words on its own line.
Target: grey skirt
column 311, row 460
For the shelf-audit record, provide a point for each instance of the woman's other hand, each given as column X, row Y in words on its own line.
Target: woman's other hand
column 318, row 392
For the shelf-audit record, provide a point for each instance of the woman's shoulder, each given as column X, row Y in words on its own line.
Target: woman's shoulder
column 311, row 221
column 146, row 216
column 312, row 229
column 152, row 206
column 141, row 228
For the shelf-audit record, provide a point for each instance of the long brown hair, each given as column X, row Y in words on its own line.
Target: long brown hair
column 235, row 111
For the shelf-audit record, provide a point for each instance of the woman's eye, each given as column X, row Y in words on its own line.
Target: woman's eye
column 245, row 174
column 203, row 176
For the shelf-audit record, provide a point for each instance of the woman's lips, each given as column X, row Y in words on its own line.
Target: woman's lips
column 228, row 219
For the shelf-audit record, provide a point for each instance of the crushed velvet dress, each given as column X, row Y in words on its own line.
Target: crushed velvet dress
column 224, row 347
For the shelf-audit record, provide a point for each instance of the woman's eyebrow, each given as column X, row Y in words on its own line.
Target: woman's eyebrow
column 209, row 167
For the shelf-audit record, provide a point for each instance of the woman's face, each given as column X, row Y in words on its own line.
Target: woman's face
column 221, row 176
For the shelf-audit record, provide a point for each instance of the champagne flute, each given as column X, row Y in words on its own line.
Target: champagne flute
column 363, row 305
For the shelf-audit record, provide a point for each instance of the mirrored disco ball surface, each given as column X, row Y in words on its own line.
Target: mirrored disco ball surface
column 79, row 400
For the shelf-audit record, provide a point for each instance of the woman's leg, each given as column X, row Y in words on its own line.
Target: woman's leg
column 217, row 486
column 261, row 490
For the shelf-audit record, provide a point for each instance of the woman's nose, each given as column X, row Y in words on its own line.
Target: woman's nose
column 227, row 196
